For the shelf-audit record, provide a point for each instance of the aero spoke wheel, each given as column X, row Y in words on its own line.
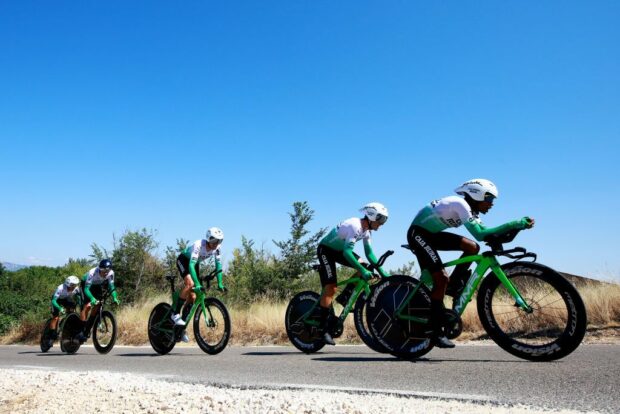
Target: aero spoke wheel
column 402, row 338
column 161, row 329
column 70, row 326
column 551, row 329
column 305, row 337
column 212, row 328
column 104, row 332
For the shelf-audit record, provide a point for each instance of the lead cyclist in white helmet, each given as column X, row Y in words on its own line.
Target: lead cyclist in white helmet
column 337, row 247
column 426, row 236
column 188, row 264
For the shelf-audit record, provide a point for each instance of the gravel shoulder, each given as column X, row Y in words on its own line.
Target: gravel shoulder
column 41, row 391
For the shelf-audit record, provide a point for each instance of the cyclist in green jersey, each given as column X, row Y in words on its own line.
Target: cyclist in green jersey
column 66, row 296
column 188, row 264
column 426, row 236
column 337, row 247
column 93, row 283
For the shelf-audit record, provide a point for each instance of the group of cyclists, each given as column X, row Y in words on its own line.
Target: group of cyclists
column 425, row 236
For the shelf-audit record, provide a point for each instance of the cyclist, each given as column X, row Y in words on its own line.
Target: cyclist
column 188, row 264
column 92, row 285
column 337, row 247
column 66, row 296
column 425, row 236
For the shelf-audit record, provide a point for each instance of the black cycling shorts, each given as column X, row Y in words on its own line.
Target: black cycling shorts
column 69, row 305
column 183, row 266
column 425, row 245
column 328, row 258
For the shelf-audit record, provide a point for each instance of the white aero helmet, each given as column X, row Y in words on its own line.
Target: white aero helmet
column 72, row 281
column 215, row 234
column 479, row 189
column 375, row 212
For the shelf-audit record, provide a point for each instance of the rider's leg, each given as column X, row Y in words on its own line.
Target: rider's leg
column 461, row 272
column 436, row 320
column 327, row 272
column 54, row 322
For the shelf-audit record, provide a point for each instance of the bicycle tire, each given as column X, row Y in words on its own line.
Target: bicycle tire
column 218, row 327
column 70, row 326
column 304, row 337
column 44, row 343
column 104, row 324
column 401, row 338
column 361, row 326
column 162, row 340
column 556, row 331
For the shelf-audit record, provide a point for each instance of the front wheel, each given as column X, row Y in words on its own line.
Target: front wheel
column 161, row 329
column 104, row 332
column 552, row 329
column 361, row 326
column 212, row 330
column 304, row 308
column 401, row 337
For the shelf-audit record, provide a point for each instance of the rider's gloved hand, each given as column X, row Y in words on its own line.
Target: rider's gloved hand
column 62, row 311
column 222, row 288
column 94, row 302
column 366, row 275
column 526, row 223
column 116, row 301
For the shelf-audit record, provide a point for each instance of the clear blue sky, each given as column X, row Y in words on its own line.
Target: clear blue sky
column 178, row 116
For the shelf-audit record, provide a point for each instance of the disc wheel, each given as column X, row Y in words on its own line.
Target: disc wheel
column 70, row 326
column 305, row 337
column 161, row 329
column 402, row 338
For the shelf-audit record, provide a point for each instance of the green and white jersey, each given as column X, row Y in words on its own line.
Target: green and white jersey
column 199, row 251
column 346, row 233
column 62, row 292
column 452, row 211
column 94, row 277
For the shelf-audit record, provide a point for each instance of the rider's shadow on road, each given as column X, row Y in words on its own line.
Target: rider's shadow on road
column 269, row 353
column 414, row 361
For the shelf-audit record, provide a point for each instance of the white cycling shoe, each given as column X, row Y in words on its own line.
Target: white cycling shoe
column 185, row 338
column 177, row 319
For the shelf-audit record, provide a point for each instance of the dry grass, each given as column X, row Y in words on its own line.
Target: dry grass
column 263, row 322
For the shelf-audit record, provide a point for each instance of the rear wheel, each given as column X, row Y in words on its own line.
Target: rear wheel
column 212, row 330
column 104, row 332
column 305, row 337
column 46, row 341
column 556, row 324
column 402, row 338
column 70, row 326
column 161, row 329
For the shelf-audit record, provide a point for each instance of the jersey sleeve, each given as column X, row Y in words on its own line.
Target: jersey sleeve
column 480, row 231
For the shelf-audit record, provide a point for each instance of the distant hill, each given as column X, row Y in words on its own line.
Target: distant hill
column 12, row 267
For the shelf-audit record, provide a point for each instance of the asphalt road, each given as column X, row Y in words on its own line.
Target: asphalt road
column 588, row 379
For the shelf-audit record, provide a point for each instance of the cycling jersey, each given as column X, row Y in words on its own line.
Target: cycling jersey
column 64, row 295
column 197, row 252
column 343, row 237
column 94, row 278
column 453, row 211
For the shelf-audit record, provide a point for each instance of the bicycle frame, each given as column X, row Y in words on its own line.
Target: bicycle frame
column 484, row 262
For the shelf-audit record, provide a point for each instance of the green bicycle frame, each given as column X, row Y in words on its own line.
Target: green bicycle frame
column 361, row 285
column 483, row 263
column 200, row 301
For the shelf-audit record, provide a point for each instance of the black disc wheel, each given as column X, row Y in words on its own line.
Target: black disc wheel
column 304, row 308
column 554, row 325
column 70, row 327
column 161, row 329
column 104, row 332
column 212, row 326
column 46, row 341
column 402, row 338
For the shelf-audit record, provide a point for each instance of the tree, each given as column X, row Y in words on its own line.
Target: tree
column 2, row 269
column 299, row 252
